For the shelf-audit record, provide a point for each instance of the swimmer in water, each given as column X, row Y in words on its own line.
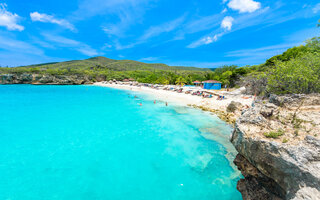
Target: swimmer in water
column 135, row 97
column 140, row 104
column 154, row 101
column 166, row 103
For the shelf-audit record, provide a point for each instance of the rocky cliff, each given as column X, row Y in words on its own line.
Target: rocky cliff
column 279, row 148
column 44, row 79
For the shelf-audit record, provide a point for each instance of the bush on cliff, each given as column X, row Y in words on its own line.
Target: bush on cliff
column 300, row 75
column 274, row 134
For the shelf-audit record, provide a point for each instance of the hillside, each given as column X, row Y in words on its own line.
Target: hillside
column 111, row 64
column 100, row 69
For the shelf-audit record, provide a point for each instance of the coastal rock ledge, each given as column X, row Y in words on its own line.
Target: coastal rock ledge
column 284, row 165
column 44, row 79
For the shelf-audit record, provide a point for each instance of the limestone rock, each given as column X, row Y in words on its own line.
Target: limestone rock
column 233, row 106
column 252, row 116
column 273, row 169
column 267, row 110
column 45, row 79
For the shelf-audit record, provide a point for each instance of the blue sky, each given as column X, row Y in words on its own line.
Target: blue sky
column 202, row 33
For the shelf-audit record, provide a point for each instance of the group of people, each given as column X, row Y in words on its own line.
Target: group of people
column 154, row 102
column 220, row 97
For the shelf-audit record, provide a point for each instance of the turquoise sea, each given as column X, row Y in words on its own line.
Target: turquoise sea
column 92, row 143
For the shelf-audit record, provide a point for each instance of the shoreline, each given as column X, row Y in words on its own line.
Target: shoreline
column 213, row 106
column 218, row 107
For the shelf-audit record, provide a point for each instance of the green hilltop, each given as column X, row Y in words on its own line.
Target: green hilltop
column 111, row 64
column 102, row 68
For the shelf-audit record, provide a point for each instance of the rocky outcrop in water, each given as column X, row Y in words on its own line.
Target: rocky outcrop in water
column 44, row 79
column 279, row 148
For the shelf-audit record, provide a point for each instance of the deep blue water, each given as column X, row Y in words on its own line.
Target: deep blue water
column 88, row 142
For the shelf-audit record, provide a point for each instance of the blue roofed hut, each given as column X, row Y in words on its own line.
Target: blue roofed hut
column 211, row 85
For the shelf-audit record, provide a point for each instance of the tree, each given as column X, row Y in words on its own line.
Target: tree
column 162, row 80
column 313, row 44
column 300, row 75
column 180, row 81
column 291, row 53
column 225, row 76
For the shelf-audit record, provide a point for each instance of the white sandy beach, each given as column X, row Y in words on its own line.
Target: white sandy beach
column 185, row 99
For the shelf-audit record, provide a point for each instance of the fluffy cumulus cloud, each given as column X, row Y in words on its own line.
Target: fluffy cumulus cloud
column 244, row 6
column 227, row 23
column 41, row 17
column 8, row 19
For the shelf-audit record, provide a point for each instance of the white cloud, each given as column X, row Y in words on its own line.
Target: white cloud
column 202, row 24
column 244, row 6
column 106, row 46
column 72, row 44
column 88, row 51
column 316, row 8
column 124, row 14
column 8, row 19
column 41, row 17
column 205, row 40
column 209, row 40
column 227, row 23
column 163, row 28
column 149, row 59
column 224, row 10
column 112, row 29
column 266, row 52
column 153, row 31
column 13, row 45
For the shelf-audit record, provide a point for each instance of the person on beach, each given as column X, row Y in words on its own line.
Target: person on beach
column 166, row 103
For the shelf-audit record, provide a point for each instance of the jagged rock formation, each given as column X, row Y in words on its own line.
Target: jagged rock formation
column 279, row 164
column 44, row 79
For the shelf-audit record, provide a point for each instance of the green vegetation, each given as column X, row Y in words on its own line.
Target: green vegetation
column 300, row 75
column 274, row 134
column 228, row 75
column 101, row 68
column 285, row 140
column 297, row 70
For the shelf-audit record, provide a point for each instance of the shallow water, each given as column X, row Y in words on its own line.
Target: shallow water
column 88, row 142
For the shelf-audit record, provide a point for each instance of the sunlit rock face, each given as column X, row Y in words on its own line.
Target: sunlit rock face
column 286, row 166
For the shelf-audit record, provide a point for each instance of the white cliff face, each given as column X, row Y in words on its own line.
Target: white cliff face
column 285, row 167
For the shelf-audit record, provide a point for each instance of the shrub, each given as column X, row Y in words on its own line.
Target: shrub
column 285, row 140
column 274, row 134
column 300, row 75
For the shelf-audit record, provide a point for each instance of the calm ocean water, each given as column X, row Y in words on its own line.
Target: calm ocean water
column 88, row 142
